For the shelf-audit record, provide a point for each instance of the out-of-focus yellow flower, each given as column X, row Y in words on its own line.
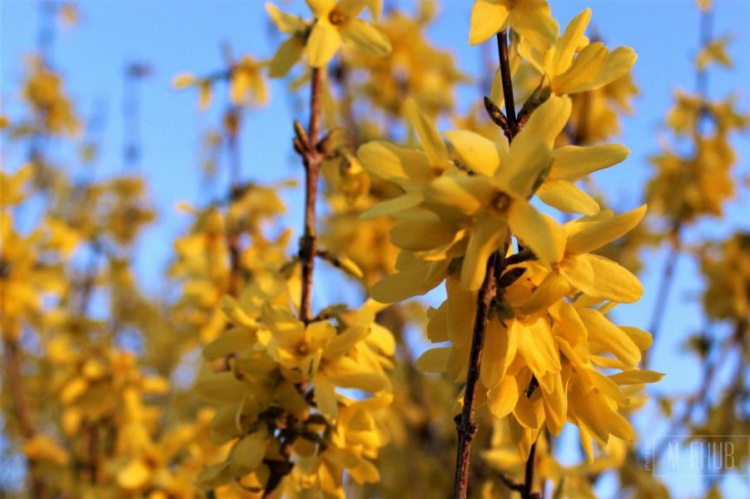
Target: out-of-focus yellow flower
column 531, row 19
column 573, row 64
column 291, row 49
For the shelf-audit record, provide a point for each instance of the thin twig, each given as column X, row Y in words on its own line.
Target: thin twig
column 309, row 145
column 665, row 288
column 465, row 424
column 510, row 106
column 312, row 159
column 528, row 481
column 234, row 117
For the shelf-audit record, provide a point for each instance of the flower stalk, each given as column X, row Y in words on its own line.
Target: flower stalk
column 465, row 424
column 312, row 158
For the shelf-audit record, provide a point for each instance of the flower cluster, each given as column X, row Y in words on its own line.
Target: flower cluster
column 278, row 396
column 547, row 337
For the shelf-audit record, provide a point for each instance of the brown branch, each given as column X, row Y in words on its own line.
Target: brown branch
column 312, row 158
column 528, row 481
column 465, row 424
column 510, row 106
column 233, row 121
column 311, row 147
column 665, row 288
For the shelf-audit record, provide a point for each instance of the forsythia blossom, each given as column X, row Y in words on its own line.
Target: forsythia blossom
column 548, row 339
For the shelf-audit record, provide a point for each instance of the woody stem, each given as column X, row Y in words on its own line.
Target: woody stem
column 465, row 424
column 312, row 159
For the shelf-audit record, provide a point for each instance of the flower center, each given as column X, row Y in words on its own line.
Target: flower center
column 502, row 202
column 302, row 348
column 336, row 17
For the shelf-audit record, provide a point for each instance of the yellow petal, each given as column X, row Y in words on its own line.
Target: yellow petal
column 365, row 38
column 231, row 308
column 570, row 41
column 487, row 235
column 567, row 323
column 636, row 377
column 496, row 90
column 502, row 399
column 487, row 18
column 368, row 382
column 567, row 197
column 617, row 64
column 497, row 353
column 534, row 22
column 321, row 8
column 285, row 57
column 585, row 236
column 409, row 283
column 641, row 338
column 606, row 337
column 434, row 360
column 437, row 327
column 573, row 162
column 352, row 8
column 547, row 121
column 381, row 339
column 422, row 231
column 538, row 232
column 183, row 80
column 342, row 343
column 594, row 413
column 601, row 278
column 405, row 167
column 480, row 155
column 582, row 72
column 364, row 472
column 249, row 452
column 286, row 328
column 530, row 411
column 323, row 43
column 429, row 138
column 325, row 396
column 286, row 23
column 526, row 163
column 536, row 345
column 398, row 287
column 551, row 290
column 556, row 406
column 135, row 475
column 465, row 195
column 393, row 206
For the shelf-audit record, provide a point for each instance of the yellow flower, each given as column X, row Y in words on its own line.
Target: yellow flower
column 595, row 276
column 336, row 23
column 531, row 19
column 13, row 186
column 247, row 84
column 569, row 164
column 574, row 65
column 318, row 353
column 496, row 196
column 291, row 50
column 410, row 169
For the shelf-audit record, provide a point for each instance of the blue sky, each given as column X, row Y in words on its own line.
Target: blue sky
column 175, row 36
